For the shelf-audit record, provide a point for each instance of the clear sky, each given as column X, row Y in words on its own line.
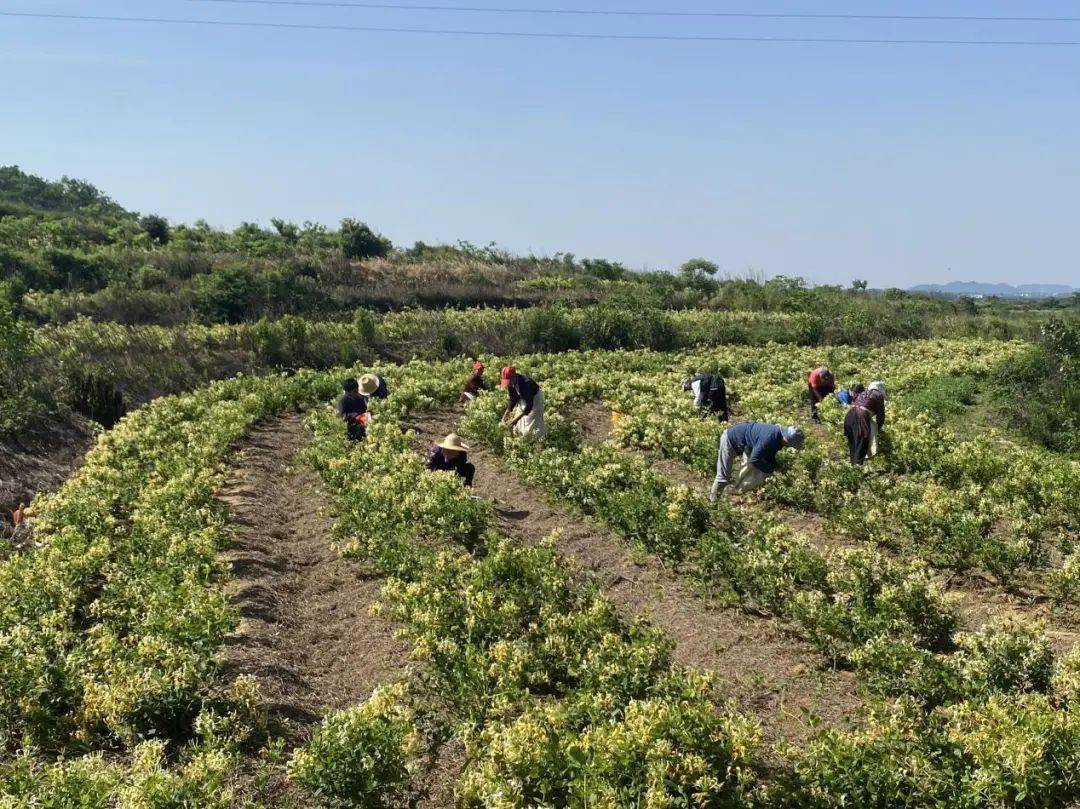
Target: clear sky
column 899, row 164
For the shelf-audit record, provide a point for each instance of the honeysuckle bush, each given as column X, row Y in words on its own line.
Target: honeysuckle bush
column 559, row 701
column 365, row 755
column 959, row 501
column 110, row 628
column 841, row 600
column 109, row 631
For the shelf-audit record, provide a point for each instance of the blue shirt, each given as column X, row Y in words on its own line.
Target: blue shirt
column 758, row 440
column 844, row 396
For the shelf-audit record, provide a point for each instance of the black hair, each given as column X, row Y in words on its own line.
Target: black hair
column 857, row 388
column 349, row 385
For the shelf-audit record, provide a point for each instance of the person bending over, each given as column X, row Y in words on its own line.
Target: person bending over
column 450, row 455
column 757, row 443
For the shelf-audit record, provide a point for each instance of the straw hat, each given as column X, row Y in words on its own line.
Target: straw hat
column 369, row 383
column 879, row 386
column 452, row 442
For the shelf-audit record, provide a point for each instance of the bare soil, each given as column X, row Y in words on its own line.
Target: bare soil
column 306, row 633
column 39, row 463
column 760, row 666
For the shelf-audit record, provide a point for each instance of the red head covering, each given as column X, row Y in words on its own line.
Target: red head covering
column 478, row 367
column 506, row 376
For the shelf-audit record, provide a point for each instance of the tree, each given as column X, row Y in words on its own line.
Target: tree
column 697, row 266
column 858, row 285
column 699, row 272
column 360, row 241
column 286, row 230
column 602, row 268
column 156, row 227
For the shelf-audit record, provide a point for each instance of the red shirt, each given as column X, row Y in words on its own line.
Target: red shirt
column 819, row 384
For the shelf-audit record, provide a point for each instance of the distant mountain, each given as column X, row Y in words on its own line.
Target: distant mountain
column 1001, row 290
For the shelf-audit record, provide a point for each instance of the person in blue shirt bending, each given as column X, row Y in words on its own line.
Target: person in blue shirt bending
column 848, row 395
column 758, row 444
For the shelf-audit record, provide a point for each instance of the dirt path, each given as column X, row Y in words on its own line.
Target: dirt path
column 305, row 631
column 766, row 671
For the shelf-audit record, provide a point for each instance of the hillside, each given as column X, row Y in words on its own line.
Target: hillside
column 1000, row 290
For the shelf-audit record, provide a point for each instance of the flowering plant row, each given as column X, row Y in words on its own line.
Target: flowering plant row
column 958, row 501
column 559, row 702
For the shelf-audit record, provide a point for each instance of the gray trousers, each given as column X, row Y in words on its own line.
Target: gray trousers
column 748, row 478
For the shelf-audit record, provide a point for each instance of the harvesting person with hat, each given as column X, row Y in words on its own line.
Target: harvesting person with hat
column 352, row 407
column 821, row 383
column 474, row 384
column 710, row 394
column 373, row 386
column 450, row 455
column 863, row 421
column 758, row 444
column 525, row 408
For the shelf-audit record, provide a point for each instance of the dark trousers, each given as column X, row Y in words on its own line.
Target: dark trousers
column 718, row 404
column 357, row 432
column 815, row 397
column 466, row 473
column 857, row 433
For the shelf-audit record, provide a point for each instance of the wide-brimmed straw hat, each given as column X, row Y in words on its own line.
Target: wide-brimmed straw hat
column 452, row 442
column 369, row 383
column 877, row 385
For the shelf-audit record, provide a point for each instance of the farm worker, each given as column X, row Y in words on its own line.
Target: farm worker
column 373, row 385
column 474, row 384
column 352, row 407
column 525, row 408
column 821, row 383
column 847, row 395
column 863, row 421
column 450, row 455
column 758, row 444
column 710, row 394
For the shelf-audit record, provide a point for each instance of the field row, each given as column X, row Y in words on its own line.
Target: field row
column 110, row 633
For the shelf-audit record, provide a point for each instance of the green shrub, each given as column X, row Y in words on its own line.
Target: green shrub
column 225, row 294
column 363, row 756
column 943, row 396
column 549, row 330
column 360, row 241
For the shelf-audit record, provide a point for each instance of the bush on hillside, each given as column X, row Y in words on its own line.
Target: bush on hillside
column 359, row 241
column 156, row 227
column 226, row 294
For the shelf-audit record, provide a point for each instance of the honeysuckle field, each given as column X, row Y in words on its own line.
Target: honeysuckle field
column 112, row 694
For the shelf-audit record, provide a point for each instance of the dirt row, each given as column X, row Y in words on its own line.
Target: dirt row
column 306, row 632
column 764, row 669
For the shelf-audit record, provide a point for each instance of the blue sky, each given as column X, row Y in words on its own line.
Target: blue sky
column 898, row 164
